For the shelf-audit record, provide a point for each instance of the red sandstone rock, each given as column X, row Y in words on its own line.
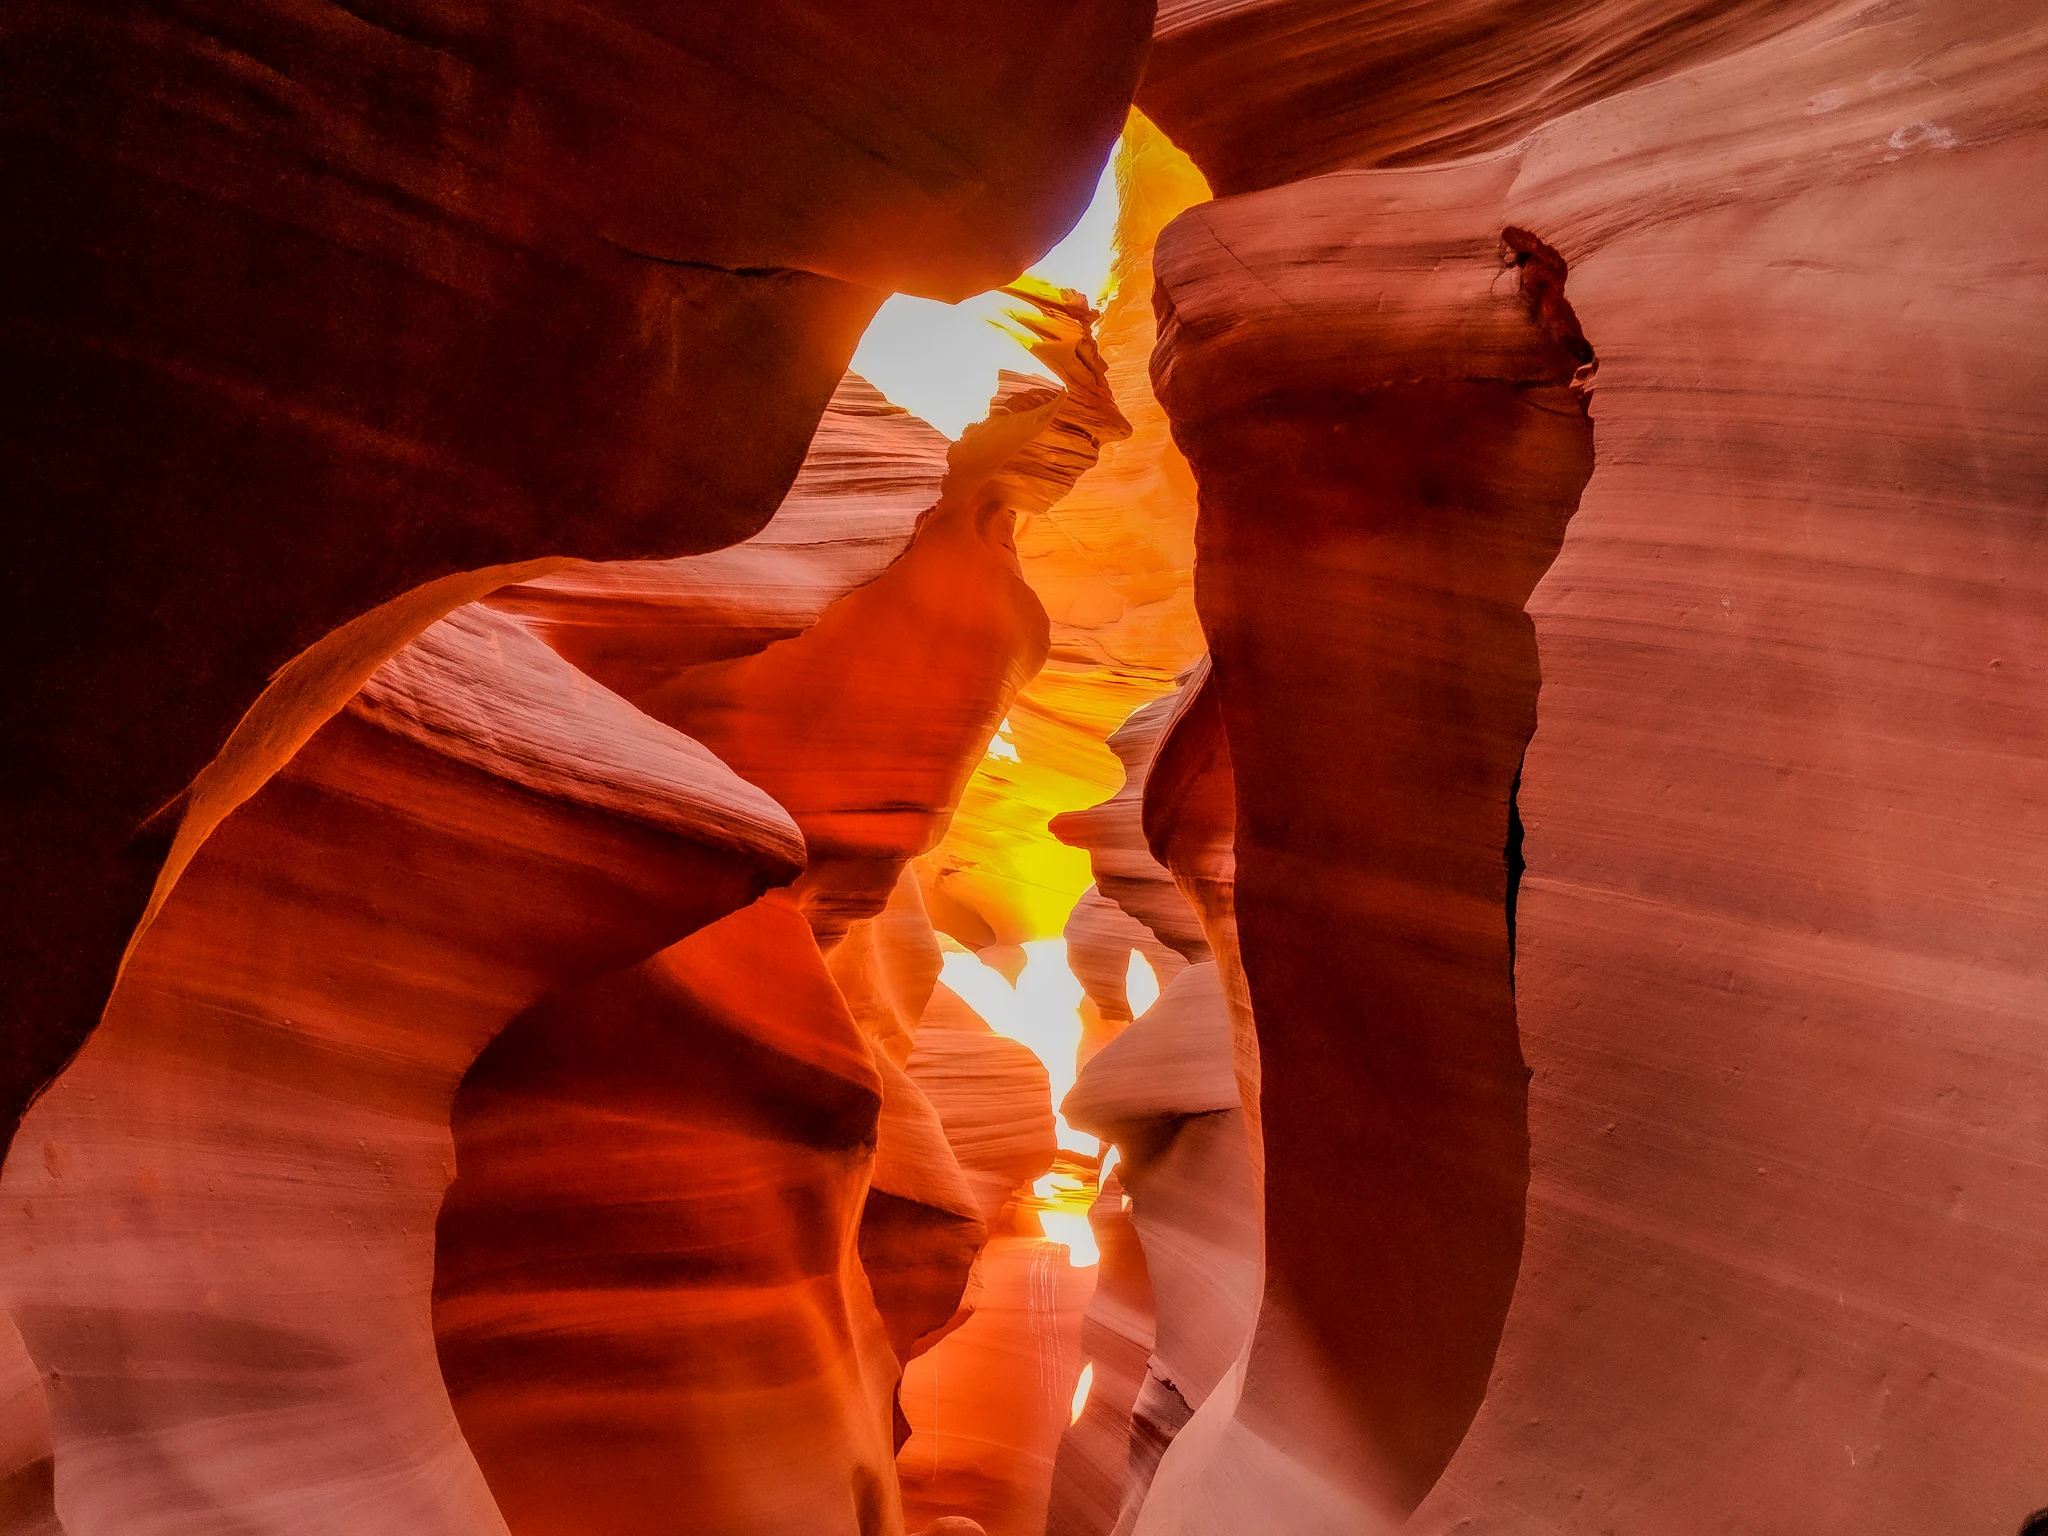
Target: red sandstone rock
column 648, row 1302
column 993, row 1098
column 1785, row 837
column 994, row 879
column 221, row 1218
column 989, row 1403
column 921, row 1228
column 1092, row 1471
column 1166, row 1092
column 1113, row 834
column 1740, row 710
column 886, row 967
column 1778, row 959
column 1388, row 445
column 871, row 472
column 1102, row 942
column 1262, row 92
column 27, row 1469
column 308, row 307
column 867, row 725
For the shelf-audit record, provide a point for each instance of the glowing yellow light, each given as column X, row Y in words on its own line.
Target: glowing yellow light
column 1112, row 562
column 1141, row 984
column 1042, row 1013
column 1071, row 1230
column 940, row 361
column 1000, row 746
column 1081, row 1391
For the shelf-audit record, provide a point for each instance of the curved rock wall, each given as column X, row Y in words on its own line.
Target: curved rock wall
column 648, row 1299
column 309, row 306
column 1779, row 979
column 1755, row 1161
column 1388, row 448
column 1629, row 1127
column 221, row 1219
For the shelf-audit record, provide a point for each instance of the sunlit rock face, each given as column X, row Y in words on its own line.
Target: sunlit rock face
column 221, row 1219
column 310, row 307
column 1165, row 1092
column 1404, row 895
column 1776, row 650
column 1112, row 560
column 648, row 1295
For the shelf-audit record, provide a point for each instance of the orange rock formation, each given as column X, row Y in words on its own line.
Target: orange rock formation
column 1521, row 614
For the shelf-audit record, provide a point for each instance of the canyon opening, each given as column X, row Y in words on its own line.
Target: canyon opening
column 1098, row 769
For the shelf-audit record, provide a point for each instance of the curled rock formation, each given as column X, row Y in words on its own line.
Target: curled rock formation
column 311, row 307
column 1111, row 555
column 867, row 725
column 1390, row 445
column 871, row 472
column 1165, row 1092
column 921, row 1227
column 1113, row 835
column 1104, row 942
column 993, row 1098
column 648, row 1299
column 806, row 1265
column 222, row 1218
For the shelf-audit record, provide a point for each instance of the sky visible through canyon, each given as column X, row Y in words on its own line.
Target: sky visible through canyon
column 939, row 361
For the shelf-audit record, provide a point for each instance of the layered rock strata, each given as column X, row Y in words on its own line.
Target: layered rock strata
column 1165, row 1091
column 649, row 1300
column 871, row 472
column 1751, row 728
column 1113, row 836
column 321, row 322
column 221, row 1243
column 1092, row 1472
column 1112, row 559
column 782, row 1146
column 466, row 892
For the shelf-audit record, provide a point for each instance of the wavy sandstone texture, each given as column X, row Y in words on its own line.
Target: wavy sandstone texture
column 872, row 470
column 705, row 1208
column 1111, row 555
column 1769, row 965
column 648, row 1297
column 1166, row 1092
column 310, row 308
column 221, row 1241
column 1390, row 447
column 1583, row 812
column 705, row 1167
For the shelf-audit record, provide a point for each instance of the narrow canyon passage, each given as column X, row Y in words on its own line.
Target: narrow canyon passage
column 922, row 1159
column 1097, row 769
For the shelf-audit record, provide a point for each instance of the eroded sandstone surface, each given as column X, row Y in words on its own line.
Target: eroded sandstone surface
column 1406, row 894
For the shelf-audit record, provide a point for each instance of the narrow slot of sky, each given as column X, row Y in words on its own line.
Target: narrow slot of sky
column 939, row 361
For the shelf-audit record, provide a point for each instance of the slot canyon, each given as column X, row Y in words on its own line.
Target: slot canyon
column 1088, row 768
